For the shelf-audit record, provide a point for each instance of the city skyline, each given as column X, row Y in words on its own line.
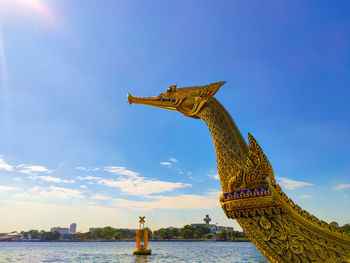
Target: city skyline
column 73, row 227
column 73, row 150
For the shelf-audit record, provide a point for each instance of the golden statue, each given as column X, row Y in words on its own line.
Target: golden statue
column 279, row 228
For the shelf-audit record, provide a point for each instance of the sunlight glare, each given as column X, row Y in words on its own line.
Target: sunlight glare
column 28, row 7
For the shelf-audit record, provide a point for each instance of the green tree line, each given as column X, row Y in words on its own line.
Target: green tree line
column 197, row 232
column 43, row 235
column 109, row 233
column 187, row 232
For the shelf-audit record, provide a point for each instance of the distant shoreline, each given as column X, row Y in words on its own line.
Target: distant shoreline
column 151, row 240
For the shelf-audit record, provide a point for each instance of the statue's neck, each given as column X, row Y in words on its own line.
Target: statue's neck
column 230, row 146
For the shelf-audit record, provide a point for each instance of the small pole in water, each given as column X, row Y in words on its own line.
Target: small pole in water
column 142, row 239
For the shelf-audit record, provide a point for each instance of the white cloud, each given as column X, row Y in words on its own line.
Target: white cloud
column 136, row 185
column 173, row 159
column 88, row 178
column 8, row 188
column 291, row 184
column 195, row 179
column 30, row 206
column 341, row 187
column 33, row 169
column 305, row 196
column 52, row 179
column 214, row 176
column 120, row 170
column 170, row 202
column 83, row 186
column 17, row 179
column 61, row 164
column 130, row 183
column 81, row 168
column 37, row 192
column 189, row 173
column 23, row 195
column 5, row 166
column 100, row 197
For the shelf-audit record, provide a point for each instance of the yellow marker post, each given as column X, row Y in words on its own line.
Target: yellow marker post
column 142, row 239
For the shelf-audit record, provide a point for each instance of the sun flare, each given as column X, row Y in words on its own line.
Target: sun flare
column 21, row 9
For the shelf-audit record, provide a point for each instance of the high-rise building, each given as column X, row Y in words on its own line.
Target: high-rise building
column 73, row 228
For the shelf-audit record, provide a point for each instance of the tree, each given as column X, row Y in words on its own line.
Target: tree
column 223, row 234
column 231, row 235
column 107, row 232
column 187, row 232
column 50, row 236
column 87, row 235
column 163, row 233
column 118, row 236
column 197, row 234
column 204, row 230
column 96, row 234
column 345, row 228
column 34, row 234
column 174, row 232
column 210, row 236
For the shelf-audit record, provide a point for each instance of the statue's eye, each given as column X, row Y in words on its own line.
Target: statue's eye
column 169, row 90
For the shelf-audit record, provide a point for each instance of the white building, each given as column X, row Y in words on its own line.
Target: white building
column 228, row 228
column 61, row 230
column 73, row 228
column 213, row 228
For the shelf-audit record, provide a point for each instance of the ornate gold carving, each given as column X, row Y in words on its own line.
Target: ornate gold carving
column 279, row 228
column 256, row 170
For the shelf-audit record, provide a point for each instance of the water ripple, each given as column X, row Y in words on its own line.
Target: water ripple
column 162, row 252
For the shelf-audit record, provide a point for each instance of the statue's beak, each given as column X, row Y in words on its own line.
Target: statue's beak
column 159, row 102
column 129, row 98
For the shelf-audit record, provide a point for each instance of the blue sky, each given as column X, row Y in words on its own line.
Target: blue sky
column 72, row 149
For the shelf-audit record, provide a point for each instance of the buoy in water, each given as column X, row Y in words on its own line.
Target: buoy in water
column 142, row 251
column 142, row 239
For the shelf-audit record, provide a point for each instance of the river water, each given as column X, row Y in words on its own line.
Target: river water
column 162, row 252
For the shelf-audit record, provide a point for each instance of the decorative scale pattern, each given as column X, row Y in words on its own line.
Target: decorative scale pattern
column 279, row 228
